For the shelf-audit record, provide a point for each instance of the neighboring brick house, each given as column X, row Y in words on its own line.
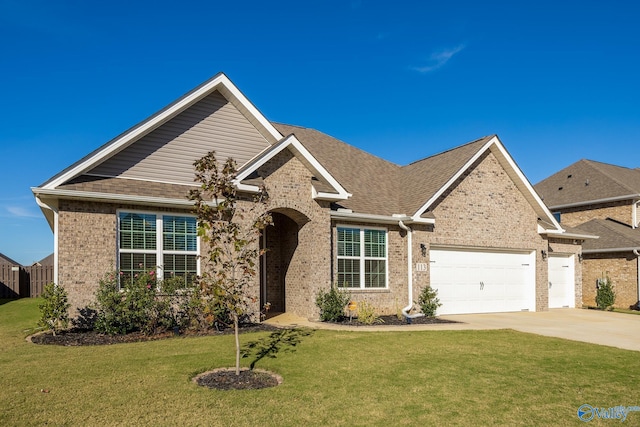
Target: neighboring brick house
column 601, row 199
column 466, row 221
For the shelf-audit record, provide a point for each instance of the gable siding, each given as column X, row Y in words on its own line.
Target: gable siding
column 167, row 153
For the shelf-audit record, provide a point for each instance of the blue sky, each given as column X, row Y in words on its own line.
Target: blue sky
column 557, row 81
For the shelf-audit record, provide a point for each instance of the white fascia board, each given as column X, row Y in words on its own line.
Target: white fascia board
column 597, row 201
column 111, row 197
column 567, row 235
column 523, row 179
column 602, row 251
column 220, row 82
column 497, row 144
column 292, row 142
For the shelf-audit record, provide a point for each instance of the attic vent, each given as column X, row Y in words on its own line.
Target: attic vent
column 569, row 176
column 559, row 188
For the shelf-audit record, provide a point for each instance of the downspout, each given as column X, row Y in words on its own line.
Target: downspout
column 637, row 254
column 405, row 311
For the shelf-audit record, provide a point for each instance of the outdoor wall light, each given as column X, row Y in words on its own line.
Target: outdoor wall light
column 580, row 257
column 423, row 249
column 544, row 254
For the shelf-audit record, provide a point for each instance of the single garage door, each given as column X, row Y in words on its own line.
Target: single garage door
column 478, row 281
column 561, row 274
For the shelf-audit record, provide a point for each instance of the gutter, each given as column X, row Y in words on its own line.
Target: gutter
column 91, row 195
column 597, row 201
column 637, row 254
column 405, row 310
column 603, row 251
column 347, row 215
column 565, row 235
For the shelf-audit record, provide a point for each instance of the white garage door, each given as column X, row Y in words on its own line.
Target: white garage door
column 561, row 274
column 483, row 281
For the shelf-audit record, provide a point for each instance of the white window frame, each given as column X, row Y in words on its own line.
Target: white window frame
column 362, row 258
column 159, row 250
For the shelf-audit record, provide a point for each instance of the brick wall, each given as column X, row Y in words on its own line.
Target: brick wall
column 622, row 268
column 87, row 246
column 620, row 210
column 307, row 268
column 484, row 208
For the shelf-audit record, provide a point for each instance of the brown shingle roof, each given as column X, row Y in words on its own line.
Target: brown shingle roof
column 587, row 180
column 380, row 187
column 422, row 179
column 613, row 235
column 371, row 180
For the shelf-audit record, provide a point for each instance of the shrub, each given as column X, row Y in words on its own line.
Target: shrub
column 332, row 304
column 54, row 308
column 132, row 305
column 367, row 314
column 428, row 301
column 605, row 295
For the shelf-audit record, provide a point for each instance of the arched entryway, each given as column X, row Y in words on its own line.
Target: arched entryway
column 281, row 243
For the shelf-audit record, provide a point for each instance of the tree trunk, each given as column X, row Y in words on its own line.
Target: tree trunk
column 235, row 330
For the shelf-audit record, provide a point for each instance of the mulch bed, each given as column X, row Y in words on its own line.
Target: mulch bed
column 226, row 379
column 76, row 337
column 394, row 321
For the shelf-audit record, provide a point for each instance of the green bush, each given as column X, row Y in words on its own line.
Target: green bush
column 428, row 301
column 332, row 304
column 54, row 308
column 605, row 295
column 367, row 314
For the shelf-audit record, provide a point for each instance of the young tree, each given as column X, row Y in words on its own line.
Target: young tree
column 230, row 228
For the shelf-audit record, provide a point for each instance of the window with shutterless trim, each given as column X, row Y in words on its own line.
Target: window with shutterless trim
column 168, row 242
column 362, row 257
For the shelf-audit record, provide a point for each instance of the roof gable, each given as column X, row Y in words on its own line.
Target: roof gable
column 220, row 83
column 586, row 182
column 336, row 191
column 371, row 181
column 167, row 153
column 451, row 164
column 6, row 260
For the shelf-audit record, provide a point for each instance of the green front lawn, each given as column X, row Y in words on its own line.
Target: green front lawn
column 334, row 378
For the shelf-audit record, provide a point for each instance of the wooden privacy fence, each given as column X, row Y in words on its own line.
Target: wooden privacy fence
column 20, row 282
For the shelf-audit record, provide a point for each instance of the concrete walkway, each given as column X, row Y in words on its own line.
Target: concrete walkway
column 592, row 326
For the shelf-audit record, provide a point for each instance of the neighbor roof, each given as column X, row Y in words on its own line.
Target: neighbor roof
column 615, row 236
column 6, row 260
column 588, row 181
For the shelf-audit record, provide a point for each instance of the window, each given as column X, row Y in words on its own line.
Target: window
column 557, row 216
column 168, row 242
column 362, row 258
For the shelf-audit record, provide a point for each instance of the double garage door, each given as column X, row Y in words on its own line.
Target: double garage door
column 482, row 281
column 470, row 281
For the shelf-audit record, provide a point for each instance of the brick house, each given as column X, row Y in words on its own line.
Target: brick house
column 601, row 199
column 466, row 221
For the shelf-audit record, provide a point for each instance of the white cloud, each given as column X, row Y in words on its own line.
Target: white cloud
column 438, row 59
column 21, row 212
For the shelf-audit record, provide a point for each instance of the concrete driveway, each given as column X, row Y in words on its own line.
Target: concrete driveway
column 592, row 326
